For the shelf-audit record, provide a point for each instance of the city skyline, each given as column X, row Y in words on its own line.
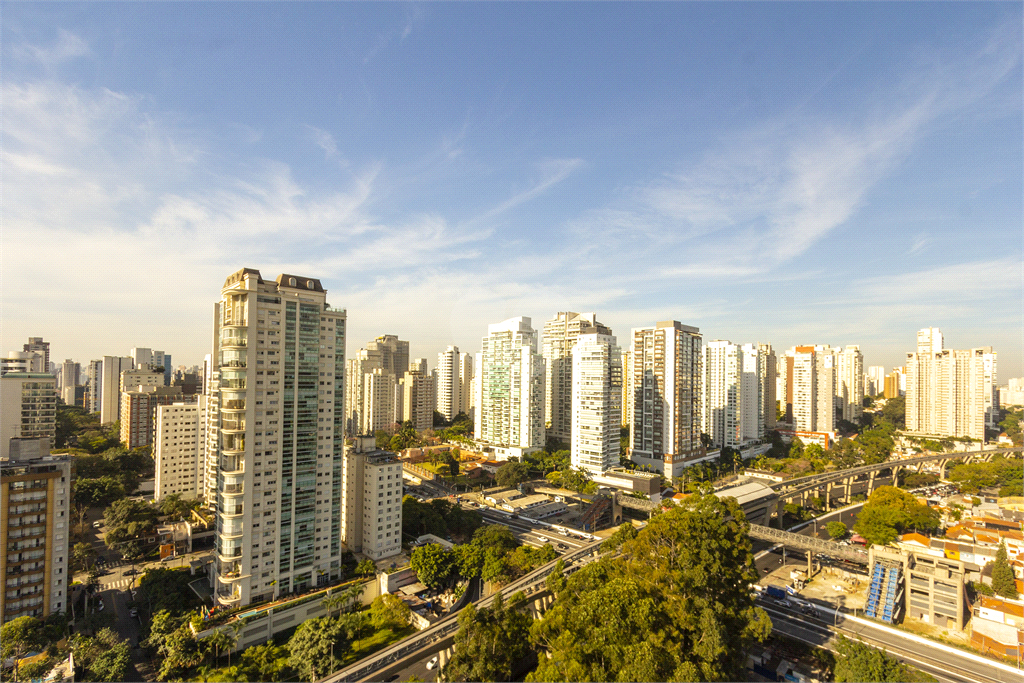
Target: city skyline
column 792, row 174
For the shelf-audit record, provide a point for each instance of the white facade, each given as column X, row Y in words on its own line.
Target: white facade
column 280, row 353
column 417, row 397
column 929, row 340
column 769, row 386
column 28, row 408
column 510, row 411
column 110, row 390
column 596, row 401
column 20, row 361
column 449, row 384
column 813, row 388
column 949, row 392
column 94, row 381
column 721, row 413
column 875, row 381
column 850, row 383
column 665, row 362
column 178, row 449
column 560, row 335
column 379, row 398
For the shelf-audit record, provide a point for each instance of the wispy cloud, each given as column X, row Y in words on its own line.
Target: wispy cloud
column 554, row 171
column 67, row 46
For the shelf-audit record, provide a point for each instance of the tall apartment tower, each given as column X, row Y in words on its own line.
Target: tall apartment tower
column 666, row 367
column 94, row 382
column 510, row 393
column 41, row 348
column 28, row 409
column 379, row 396
column 280, row 351
column 812, row 388
column 596, row 401
column 35, row 495
column 110, row 387
column 418, row 393
column 948, row 391
column 362, row 363
column 627, row 390
column 178, row 450
column 371, row 516
column 723, row 396
column 138, row 410
column 752, row 391
column 769, row 384
column 929, row 340
column 560, row 335
column 850, row 383
column 454, row 382
column 394, row 353
column 874, row 382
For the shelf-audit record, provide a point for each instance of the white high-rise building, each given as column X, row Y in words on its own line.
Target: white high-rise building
column 510, row 405
column 110, row 389
column 362, row 363
column 449, row 382
column 379, row 397
column 929, row 340
column 560, row 335
column 665, row 363
column 20, row 361
column 69, row 380
column 280, row 351
column 41, row 349
column 28, row 410
column 94, row 382
column 720, row 416
column 812, row 388
column 850, row 383
column 949, row 392
column 875, row 382
column 735, row 382
column 596, row 401
column 178, row 450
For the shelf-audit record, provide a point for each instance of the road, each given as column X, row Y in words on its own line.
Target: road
column 947, row 666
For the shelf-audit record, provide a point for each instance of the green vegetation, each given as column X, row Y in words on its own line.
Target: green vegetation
column 919, row 479
column 1011, row 424
column 129, row 520
column 433, row 564
column 1003, row 582
column 889, row 512
column 856, row 661
column 177, row 508
column 836, row 530
column 440, row 517
column 512, row 474
column 1006, row 473
column 76, row 428
column 674, row 606
column 103, row 657
column 625, row 532
column 490, row 641
column 162, row 589
column 312, row 648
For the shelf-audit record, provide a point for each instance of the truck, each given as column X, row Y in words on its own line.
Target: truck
column 775, row 592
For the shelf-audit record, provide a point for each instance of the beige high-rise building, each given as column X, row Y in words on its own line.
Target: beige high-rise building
column 362, row 363
column 178, row 450
column 948, row 391
column 394, row 353
column 769, row 384
column 596, row 401
column 387, row 353
column 279, row 349
column 627, row 389
column 379, row 397
column 665, row 362
column 372, row 512
column 850, row 383
column 111, row 388
column 418, row 393
column 510, row 393
column 138, row 410
column 35, row 495
column 734, row 387
column 41, row 348
column 560, row 335
column 28, row 408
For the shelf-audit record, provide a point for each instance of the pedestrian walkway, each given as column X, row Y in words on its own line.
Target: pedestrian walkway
column 120, row 584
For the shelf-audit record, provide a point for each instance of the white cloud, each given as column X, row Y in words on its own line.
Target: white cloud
column 67, row 46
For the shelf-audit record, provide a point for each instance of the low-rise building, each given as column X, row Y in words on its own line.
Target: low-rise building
column 758, row 501
column 998, row 627
column 372, row 510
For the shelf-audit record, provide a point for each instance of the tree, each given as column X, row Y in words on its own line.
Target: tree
column 111, row 665
column 496, row 536
column 176, row 507
column 128, row 520
column 432, row 563
column 267, row 662
column 82, row 557
column 625, row 532
column 856, row 661
column 895, row 412
column 389, row 611
column 469, row 560
column 99, row 492
column 20, row 636
column 674, row 606
column 836, row 530
column 889, row 512
column 314, row 645
column 512, row 474
column 366, row 568
column 1003, row 581
column 490, row 641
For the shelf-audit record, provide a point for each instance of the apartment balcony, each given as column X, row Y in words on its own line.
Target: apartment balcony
column 229, row 595
column 233, row 422
column 232, row 464
column 229, row 555
column 233, row 337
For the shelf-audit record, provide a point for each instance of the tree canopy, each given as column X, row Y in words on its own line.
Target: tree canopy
column 1003, row 581
column 490, row 641
column 433, row 564
column 674, row 606
column 1000, row 471
column 129, row 520
column 315, row 643
column 856, row 661
column 889, row 512
column 512, row 474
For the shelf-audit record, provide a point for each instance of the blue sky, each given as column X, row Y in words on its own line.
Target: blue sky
column 806, row 173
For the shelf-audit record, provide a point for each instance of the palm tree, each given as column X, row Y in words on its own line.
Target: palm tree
column 332, row 601
column 220, row 641
column 204, row 672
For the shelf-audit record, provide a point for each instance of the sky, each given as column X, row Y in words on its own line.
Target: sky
column 792, row 173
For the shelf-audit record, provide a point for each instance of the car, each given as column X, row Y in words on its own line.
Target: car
column 562, row 546
column 766, row 570
column 432, row 664
column 133, row 612
column 100, row 607
column 168, row 558
column 97, row 525
column 785, row 603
